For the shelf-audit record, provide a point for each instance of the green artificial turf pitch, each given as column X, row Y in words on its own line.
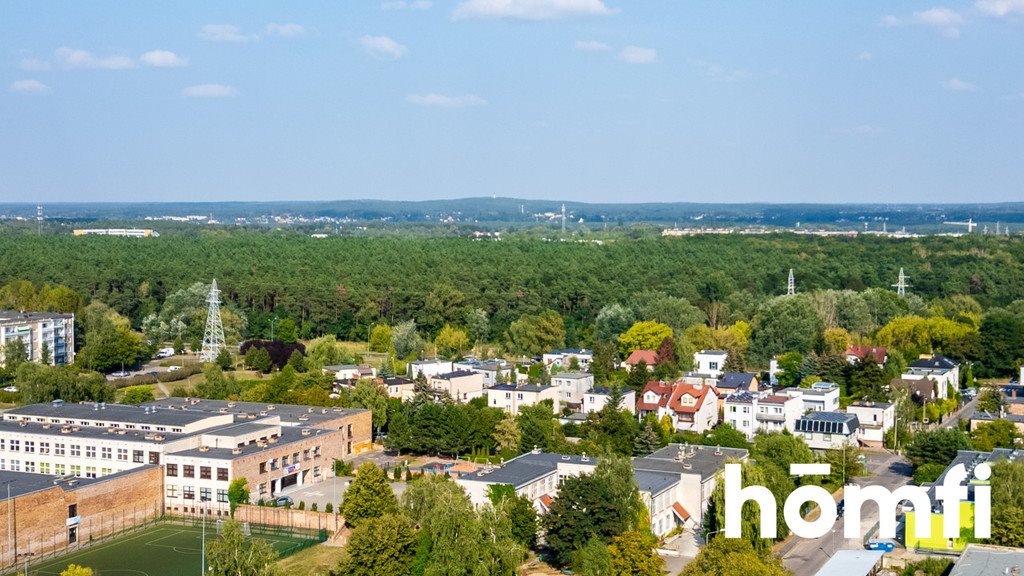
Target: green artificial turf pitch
column 164, row 550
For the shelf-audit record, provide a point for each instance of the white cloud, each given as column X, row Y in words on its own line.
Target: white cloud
column 382, row 47
column 530, row 9
column 34, row 64
column 414, row 5
column 637, row 55
column 290, row 30
column 71, row 58
column 29, row 87
column 865, row 55
column 443, row 101
column 591, row 46
column 209, row 91
column 945, row 21
column 721, row 73
column 225, row 33
column 163, row 59
column 1000, row 8
column 957, row 85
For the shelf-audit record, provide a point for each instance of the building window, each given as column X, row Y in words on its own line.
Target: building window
column 188, row 471
column 90, row 451
column 222, row 474
column 30, row 447
column 76, row 470
column 44, row 447
column 30, row 466
column 16, row 465
column 106, row 453
column 204, row 472
column 2, row 447
column 138, row 456
column 316, row 451
column 72, row 510
column 222, row 495
column 154, row 457
column 44, row 467
column 90, row 471
column 316, row 471
column 204, row 494
column 284, row 460
column 15, row 445
column 263, row 488
column 305, row 454
column 58, row 469
column 106, row 472
column 172, row 491
column 172, row 469
column 263, row 467
column 188, row 493
column 122, row 454
column 58, row 449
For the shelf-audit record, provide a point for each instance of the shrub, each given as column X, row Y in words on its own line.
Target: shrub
column 302, row 505
column 329, row 508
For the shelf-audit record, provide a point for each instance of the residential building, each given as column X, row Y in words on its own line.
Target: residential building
column 820, row 397
column 402, row 388
column 675, row 482
column 648, row 357
column 876, row 419
column 511, row 397
column 828, row 430
column 753, row 413
column 774, row 371
column 938, row 368
column 430, row 368
column 461, row 385
column 692, row 407
column 596, row 398
column 989, row 560
column 855, row 354
column 572, row 386
column 41, row 333
column 921, row 390
column 564, row 358
column 983, row 417
column 730, row 382
column 710, row 362
column 201, row 445
column 350, row 372
column 489, row 369
column 853, row 563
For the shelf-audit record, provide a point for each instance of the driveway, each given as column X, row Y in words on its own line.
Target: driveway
column 331, row 490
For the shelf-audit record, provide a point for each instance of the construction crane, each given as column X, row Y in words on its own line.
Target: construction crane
column 970, row 224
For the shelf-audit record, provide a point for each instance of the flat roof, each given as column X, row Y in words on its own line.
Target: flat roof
column 526, row 468
column 852, row 563
column 288, row 436
column 8, row 315
column 98, row 432
column 23, row 483
column 289, row 413
column 703, row 460
column 985, row 560
column 572, row 375
column 108, row 412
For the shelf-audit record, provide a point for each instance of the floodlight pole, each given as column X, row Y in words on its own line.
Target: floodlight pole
column 10, row 523
column 202, row 551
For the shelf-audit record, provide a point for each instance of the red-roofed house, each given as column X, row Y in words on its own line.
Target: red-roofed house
column 649, row 357
column 691, row 407
column 877, row 353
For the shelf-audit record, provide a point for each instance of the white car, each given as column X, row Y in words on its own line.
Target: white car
column 10, row 389
column 121, row 374
column 173, row 368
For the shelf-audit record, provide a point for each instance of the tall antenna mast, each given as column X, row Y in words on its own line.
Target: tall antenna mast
column 213, row 338
column 39, row 220
column 901, row 284
column 563, row 218
column 791, row 286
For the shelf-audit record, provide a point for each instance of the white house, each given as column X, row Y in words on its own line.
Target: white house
column 401, row 388
column 565, row 357
column 461, row 385
column 820, row 397
column 350, row 371
column 692, row 407
column 596, row 399
column 572, row 386
column 430, row 368
column 876, row 418
column 755, row 413
column 941, row 370
column 710, row 362
column 511, row 398
column 828, row 430
column 489, row 369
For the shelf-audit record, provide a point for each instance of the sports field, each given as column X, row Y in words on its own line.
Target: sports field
column 164, row 550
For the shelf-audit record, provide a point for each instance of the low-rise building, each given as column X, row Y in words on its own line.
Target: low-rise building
column 430, row 368
column 989, row 560
column 350, row 372
column 752, row 413
column 648, row 357
column 511, row 397
column 731, row 382
column 828, row 430
column 938, row 368
column 876, row 419
column 820, row 397
column 596, row 398
column 47, row 337
column 690, row 407
column 402, row 388
column 565, row 357
column 461, row 385
column 879, row 354
column 710, row 362
column 572, row 386
column 488, row 368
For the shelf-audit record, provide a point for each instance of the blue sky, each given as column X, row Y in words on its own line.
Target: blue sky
column 592, row 100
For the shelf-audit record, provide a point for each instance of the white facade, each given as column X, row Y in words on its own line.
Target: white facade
column 876, row 419
column 564, row 358
column 752, row 414
column 820, row 397
column 710, row 362
column 33, row 330
column 461, row 385
column 489, row 370
column 597, row 398
column 939, row 369
column 511, row 398
column 572, row 386
column 430, row 368
column 828, row 430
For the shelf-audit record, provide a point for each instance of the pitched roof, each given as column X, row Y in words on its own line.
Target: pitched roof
column 650, row 357
column 714, row 352
column 696, row 391
column 878, row 353
column 922, row 387
column 662, row 389
column 681, row 512
column 736, row 380
column 828, row 423
column 936, row 362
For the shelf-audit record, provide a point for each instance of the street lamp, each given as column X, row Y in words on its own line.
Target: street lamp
column 272, row 321
column 10, row 523
column 202, row 551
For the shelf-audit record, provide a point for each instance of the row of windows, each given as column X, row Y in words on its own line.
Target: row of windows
column 189, row 471
column 51, row 468
column 93, row 424
column 274, row 463
column 73, row 450
column 189, row 493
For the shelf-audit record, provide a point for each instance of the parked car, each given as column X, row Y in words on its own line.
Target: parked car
column 120, row 374
column 883, row 545
column 10, row 388
column 174, row 368
column 283, row 501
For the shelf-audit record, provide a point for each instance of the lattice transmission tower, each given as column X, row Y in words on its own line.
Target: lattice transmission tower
column 791, row 285
column 901, row 284
column 213, row 337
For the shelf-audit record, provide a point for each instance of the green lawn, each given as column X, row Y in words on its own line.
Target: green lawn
column 164, row 550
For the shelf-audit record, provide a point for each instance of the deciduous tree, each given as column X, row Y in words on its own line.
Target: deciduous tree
column 368, row 496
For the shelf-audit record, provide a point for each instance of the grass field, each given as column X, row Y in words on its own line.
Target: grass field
column 165, row 550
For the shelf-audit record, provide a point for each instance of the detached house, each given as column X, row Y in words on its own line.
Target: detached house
column 937, row 368
column 876, row 418
column 820, row 397
column 692, row 407
column 828, row 430
column 596, row 398
column 572, row 386
column 461, row 385
column 510, row 397
column 877, row 353
column 753, row 413
column 648, row 357
column 565, row 357
column 731, row 382
column 710, row 362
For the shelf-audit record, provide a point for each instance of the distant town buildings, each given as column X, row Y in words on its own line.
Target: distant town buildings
column 127, row 232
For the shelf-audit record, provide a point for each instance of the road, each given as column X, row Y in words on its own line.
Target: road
column 804, row 557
